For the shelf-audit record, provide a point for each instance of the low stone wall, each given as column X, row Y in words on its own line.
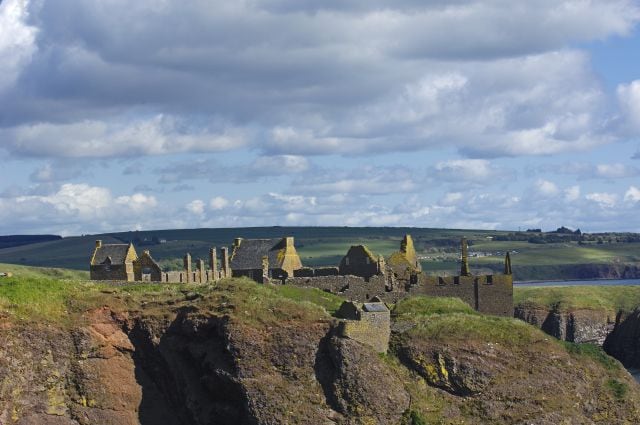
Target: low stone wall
column 353, row 288
column 193, row 277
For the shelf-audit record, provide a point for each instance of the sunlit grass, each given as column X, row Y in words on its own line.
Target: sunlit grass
column 610, row 298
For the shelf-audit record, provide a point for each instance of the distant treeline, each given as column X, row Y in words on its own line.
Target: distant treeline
column 18, row 240
column 563, row 234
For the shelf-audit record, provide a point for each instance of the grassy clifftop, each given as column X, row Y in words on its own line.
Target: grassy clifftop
column 567, row 298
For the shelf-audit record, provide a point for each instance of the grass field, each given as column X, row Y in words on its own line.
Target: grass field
column 322, row 246
column 608, row 298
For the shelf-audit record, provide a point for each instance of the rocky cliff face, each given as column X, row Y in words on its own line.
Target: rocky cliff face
column 580, row 326
column 189, row 366
column 212, row 359
column 623, row 342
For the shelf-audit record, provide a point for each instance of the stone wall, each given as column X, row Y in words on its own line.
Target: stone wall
column 373, row 329
column 492, row 294
column 122, row 272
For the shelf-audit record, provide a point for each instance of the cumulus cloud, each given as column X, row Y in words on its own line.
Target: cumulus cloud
column 632, row 194
column 351, row 78
column 16, row 40
column 470, row 171
column 56, row 172
column 154, row 136
column 546, row 188
column 214, row 171
column 196, row 207
column 370, row 180
column 218, row 203
column 586, row 170
column 629, row 99
column 604, row 199
column 75, row 208
column 572, row 193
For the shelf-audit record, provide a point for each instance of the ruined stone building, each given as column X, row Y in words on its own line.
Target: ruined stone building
column 120, row 262
column 405, row 263
column 360, row 261
column 368, row 323
column 269, row 258
column 113, row 262
column 360, row 276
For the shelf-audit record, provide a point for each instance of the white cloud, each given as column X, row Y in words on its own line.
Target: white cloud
column 16, row 40
column 218, row 203
column 629, row 99
column 279, row 164
column 452, row 198
column 572, row 193
column 604, row 199
column 76, row 208
column 355, row 78
column 547, row 188
column 467, row 170
column 632, row 194
column 196, row 207
column 155, row 136
column 372, row 180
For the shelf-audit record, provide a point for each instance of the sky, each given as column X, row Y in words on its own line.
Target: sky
column 119, row 115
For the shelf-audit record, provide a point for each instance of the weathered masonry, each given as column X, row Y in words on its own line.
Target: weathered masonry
column 360, row 276
column 368, row 323
column 120, row 262
column 400, row 276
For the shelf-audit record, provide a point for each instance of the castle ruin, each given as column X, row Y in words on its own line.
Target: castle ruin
column 360, row 276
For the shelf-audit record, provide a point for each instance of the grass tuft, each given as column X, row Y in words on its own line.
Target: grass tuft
column 423, row 306
column 592, row 351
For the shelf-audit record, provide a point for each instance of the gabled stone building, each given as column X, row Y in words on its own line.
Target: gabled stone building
column 253, row 257
column 146, row 268
column 113, row 262
column 360, row 261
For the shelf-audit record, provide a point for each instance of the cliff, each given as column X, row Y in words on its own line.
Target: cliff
column 569, row 271
column 241, row 353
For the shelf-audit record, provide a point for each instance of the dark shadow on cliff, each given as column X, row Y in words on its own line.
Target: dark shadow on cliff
column 187, row 374
column 325, row 371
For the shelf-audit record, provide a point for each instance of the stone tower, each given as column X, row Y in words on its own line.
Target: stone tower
column 464, row 265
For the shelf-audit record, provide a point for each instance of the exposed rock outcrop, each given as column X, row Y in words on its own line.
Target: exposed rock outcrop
column 239, row 354
column 623, row 342
column 581, row 326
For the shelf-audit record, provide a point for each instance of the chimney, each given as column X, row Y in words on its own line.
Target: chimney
column 464, row 266
column 187, row 267
column 237, row 242
column 224, row 258
column 507, row 264
column 289, row 242
column 98, row 243
column 213, row 263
